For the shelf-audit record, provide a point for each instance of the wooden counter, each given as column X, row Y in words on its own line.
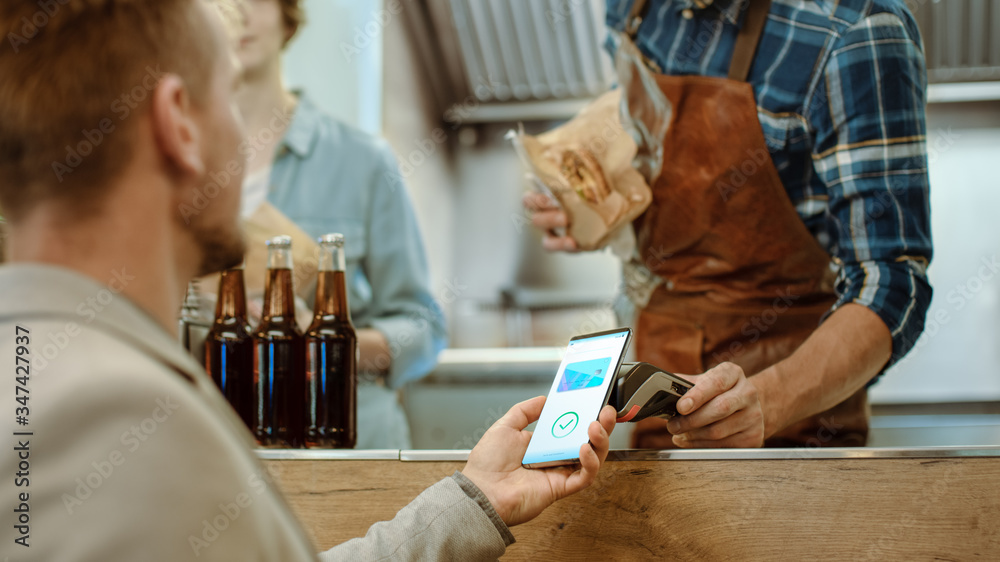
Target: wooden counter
column 832, row 504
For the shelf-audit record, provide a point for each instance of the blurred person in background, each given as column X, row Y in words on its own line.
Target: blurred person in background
column 327, row 176
column 125, row 447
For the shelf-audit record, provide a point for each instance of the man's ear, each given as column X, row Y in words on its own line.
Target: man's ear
column 178, row 135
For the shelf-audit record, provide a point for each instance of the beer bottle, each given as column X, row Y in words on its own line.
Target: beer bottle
column 278, row 374
column 229, row 346
column 331, row 356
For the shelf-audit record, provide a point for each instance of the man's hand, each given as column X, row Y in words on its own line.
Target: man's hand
column 520, row 494
column 721, row 410
column 548, row 216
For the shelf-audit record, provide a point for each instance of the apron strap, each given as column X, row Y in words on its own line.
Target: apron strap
column 747, row 40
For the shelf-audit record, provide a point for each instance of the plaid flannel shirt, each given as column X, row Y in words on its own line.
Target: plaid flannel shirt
column 841, row 94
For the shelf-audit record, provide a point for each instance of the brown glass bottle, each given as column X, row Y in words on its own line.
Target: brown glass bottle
column 229, row 346
column 278, row 374
column 331, row 356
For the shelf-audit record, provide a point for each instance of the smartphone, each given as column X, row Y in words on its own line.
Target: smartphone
column 581, row 388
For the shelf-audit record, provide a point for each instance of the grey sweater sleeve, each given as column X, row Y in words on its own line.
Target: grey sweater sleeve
column 448, row 521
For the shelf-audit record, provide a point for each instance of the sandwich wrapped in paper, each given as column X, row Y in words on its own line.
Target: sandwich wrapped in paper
column 600, row 164
column 586, row 164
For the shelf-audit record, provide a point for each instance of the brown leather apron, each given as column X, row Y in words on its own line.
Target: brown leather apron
column 743, row 280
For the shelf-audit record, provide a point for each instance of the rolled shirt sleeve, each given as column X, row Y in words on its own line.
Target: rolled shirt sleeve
column 870, row 152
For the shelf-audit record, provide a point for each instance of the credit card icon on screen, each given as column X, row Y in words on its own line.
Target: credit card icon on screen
column 584, row 374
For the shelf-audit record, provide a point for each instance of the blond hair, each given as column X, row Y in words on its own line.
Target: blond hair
column 74, row 78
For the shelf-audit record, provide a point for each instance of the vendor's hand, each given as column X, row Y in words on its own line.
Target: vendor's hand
column 520, row 494
column 548, row 216
column 721, row 410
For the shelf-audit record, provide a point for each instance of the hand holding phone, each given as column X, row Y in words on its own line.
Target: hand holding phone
column 519, row 494
column 580, row 389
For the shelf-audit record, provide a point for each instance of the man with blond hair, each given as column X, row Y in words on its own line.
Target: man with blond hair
column 121, row 447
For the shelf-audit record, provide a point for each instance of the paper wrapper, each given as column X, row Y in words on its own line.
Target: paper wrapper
column 587, row 165
column 266, row 223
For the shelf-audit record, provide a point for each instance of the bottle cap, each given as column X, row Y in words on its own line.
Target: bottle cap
column 280, row 241
column 336, row 239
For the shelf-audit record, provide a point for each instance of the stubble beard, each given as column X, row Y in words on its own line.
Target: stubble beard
column 218, row 235
column 222, row 247
column 217, row 232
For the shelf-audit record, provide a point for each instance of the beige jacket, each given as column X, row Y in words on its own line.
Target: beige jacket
column 134, row 455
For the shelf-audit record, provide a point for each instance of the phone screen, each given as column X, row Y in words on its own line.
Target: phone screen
column 578, row 393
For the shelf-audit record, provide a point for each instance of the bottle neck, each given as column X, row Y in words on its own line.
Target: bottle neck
column 331, row 286
column 331, row 296
column 279, row 257
column 232, row 301
column 332, row 257
column 279, row 298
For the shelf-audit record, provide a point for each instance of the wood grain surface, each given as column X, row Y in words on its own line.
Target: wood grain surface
column 850, row 509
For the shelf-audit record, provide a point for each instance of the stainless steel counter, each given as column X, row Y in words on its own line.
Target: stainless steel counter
column 645, row 455
column 516, row 365
column 472, row 388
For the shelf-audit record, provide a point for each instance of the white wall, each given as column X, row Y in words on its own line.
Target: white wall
column 958, row 357
column 421, row 146
column 497, row 248
column 337, row 59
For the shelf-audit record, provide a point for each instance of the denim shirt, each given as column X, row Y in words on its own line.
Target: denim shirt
column 329, row 177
